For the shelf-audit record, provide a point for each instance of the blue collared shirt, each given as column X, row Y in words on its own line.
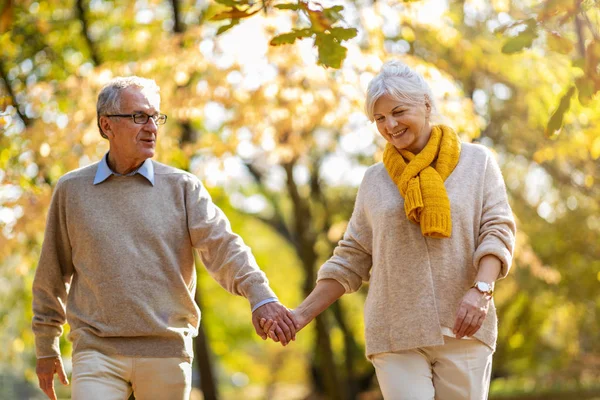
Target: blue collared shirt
column 104, row 171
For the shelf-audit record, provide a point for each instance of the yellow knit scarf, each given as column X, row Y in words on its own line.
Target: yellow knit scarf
column 425, row 199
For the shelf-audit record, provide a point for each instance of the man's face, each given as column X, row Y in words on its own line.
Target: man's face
column 131, row 142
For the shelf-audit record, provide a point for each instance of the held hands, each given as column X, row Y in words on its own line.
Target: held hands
column 286, row 325
column 471, row 313
column 270, row 326
column 45, row 370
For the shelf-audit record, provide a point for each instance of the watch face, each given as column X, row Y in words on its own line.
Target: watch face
column 482, row 286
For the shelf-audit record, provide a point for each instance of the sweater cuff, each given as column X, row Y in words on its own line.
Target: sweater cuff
column 259, row 293
column 265, row 301
column 46, row 347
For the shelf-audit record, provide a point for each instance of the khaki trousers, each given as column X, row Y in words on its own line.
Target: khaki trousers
column 456, row 370
column 100, row 377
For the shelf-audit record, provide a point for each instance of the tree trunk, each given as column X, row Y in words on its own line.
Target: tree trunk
column 80, row 10
column 203, row 356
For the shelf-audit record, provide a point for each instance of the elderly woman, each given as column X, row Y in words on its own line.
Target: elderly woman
column 431, row 231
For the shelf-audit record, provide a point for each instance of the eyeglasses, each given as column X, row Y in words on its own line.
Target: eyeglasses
column 142, row 118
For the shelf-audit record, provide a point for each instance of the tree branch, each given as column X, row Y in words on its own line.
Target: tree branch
column 79, row 8
column 580, row 36
column 178, row 25
column 277, row 221
column 11, row 93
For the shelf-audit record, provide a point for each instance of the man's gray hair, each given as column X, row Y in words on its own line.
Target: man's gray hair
column 401, row 83
column 109, row 99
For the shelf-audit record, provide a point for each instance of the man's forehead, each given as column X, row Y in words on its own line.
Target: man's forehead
column 139, row 98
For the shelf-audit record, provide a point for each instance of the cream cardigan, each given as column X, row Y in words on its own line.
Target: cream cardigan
column 417, row 283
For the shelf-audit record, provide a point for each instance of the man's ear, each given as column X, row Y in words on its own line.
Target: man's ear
column 105, row 125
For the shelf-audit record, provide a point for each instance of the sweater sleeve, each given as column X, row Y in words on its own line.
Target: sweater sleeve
column 351, row 262
column 497, row 228
column 52, row 279
column 228, row 260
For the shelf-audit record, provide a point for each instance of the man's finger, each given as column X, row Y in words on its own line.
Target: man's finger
column 281, row 336
column 291, row 325
column 62, row 375
column 258, row 329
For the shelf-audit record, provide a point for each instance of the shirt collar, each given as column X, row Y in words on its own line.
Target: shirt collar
column 104, row 171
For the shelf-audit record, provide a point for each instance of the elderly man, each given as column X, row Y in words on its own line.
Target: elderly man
column 117, row 263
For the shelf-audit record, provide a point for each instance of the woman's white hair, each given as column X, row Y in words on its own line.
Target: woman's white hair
column 109, row 98
column 401, row 83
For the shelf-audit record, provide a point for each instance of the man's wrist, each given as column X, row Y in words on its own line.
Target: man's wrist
column 263, row 302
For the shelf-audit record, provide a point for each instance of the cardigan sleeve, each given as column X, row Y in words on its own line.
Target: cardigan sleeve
column 52, row 278
column 351, row 262
column 497, row 227
column 224, row 254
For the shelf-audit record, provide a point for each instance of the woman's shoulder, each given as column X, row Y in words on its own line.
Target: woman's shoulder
column 375, row 172
column 475, row 153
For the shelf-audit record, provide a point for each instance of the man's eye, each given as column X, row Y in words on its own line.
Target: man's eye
column 140, row 115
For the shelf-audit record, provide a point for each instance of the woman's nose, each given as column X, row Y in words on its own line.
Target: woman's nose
column 391, row 123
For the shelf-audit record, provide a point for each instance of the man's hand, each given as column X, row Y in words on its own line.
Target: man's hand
column 471, row 313
column 269, row 326
column 45, row 370
column 286, row 324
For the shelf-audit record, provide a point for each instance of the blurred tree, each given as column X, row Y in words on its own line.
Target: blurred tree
column 288, row 143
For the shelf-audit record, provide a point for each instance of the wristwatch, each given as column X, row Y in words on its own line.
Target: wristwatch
column 484, row 287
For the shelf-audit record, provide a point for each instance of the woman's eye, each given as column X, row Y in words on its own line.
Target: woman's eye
column 380, row 119
column 396, row 113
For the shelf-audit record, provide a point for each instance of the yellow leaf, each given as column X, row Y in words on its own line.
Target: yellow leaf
column 595, row 149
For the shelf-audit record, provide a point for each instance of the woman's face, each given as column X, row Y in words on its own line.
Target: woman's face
column 404, row 126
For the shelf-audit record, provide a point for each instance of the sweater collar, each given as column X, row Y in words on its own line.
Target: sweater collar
column 104, row 171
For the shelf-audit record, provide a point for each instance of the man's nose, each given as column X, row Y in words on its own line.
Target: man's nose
column 151, row 124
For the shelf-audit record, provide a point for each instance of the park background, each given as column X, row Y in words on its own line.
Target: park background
column 264, row 100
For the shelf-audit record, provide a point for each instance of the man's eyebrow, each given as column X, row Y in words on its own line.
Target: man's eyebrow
column 143, row 112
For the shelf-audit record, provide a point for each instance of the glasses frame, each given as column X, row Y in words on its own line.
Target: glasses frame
column 147, row 117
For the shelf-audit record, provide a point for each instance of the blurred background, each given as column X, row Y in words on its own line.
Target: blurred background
column 265, row 101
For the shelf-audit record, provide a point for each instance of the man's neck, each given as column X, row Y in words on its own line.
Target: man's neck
column 122, row 167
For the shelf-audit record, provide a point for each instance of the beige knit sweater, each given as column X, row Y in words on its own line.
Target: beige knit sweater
column 416, row 282
column 117, row 263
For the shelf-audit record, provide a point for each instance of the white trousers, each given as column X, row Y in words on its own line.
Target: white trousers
column 457, row 370
column 100, row 377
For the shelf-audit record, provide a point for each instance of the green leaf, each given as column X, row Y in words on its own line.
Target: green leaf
column 290, row 37
column 344, row 33
column 233, row 13
column 585, row 89
column 225, row 28
column 556, row 119
column 284, row 38
column 522, row 40
column 230, row 3
column 331, row 52
column 558, row 43
column 288, row 6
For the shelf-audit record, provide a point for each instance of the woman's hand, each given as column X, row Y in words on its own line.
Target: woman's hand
column 269, row 326
column 471, row 313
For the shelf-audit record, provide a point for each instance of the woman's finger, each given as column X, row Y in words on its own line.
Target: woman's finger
column 460, row 316
column 465, row 324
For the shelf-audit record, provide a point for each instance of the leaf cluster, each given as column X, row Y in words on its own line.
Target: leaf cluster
column 327, row 36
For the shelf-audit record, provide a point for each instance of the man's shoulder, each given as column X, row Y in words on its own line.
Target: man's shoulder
column 168, row 171
column 80, row 174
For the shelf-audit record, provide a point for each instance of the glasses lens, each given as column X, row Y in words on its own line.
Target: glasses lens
column 161, row 119
column 140, row 118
